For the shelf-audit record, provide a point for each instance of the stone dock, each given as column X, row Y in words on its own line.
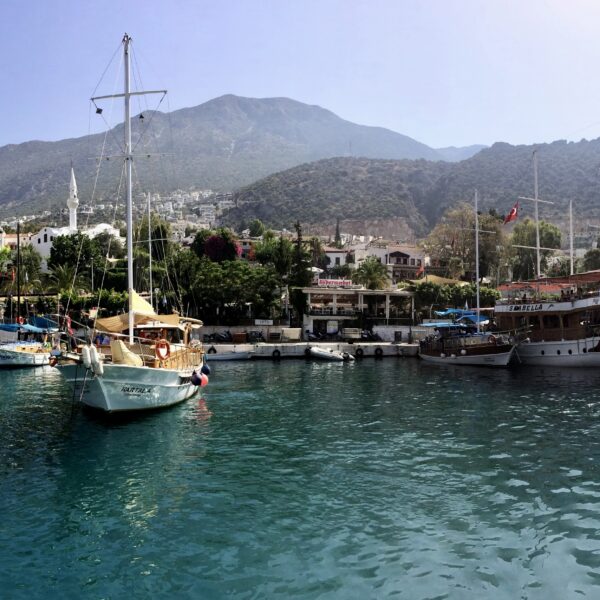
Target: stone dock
column 276, row 351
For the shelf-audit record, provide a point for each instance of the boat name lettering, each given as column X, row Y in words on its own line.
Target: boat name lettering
column 525, row 307
column 134, row 389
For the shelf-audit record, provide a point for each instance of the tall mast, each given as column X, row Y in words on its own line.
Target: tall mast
column 128, row 172
column 150, row 253
column 18, row 269
column 477, row 258
column 129, row 168
column 571, row 235
column 537, row 221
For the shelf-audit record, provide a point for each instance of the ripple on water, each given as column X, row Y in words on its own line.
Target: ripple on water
column 296, row 479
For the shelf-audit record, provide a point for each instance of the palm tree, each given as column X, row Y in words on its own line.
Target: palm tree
column 372, row 274
column 65, row 279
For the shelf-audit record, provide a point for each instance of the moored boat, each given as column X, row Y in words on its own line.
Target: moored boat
column 563, row 331
column 29, row 348
column 329, row 354
column 453, row 343
column 135, row 372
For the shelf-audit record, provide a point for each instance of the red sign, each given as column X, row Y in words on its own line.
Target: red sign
column 334, row 282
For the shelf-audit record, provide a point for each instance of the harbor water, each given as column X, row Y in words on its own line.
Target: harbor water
column 377, row 479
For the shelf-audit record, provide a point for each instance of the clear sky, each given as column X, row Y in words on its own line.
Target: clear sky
column 445, row 72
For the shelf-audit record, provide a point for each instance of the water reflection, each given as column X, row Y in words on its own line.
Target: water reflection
column 304, row 479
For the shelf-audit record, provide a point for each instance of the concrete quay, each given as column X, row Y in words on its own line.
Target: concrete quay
column 277, row 351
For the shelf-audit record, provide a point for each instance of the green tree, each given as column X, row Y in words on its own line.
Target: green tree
column 524, row 259
column 452, row 242
column 372, row 274
column 257, row 228
column 77, row 250
column 591, row 260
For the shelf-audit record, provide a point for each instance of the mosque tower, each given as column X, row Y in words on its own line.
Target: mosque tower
column 73, row 203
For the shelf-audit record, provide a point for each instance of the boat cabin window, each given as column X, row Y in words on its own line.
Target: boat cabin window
column 551, row 322
column 534, row 322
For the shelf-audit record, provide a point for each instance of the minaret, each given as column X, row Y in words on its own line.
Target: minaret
column 73, row 202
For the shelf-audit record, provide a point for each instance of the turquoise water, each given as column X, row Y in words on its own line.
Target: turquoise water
column 380, row 479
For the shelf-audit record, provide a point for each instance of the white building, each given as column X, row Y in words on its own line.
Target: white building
column 42, row 241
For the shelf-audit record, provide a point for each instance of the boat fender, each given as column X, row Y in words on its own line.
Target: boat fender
column 203, row 380
column 442, row 355
column 212, row 350
column 492, row 339
column 307, row 351
column 98, row 368
column 94, row 356
column 359, row 352
column 53, row 361
column 20, row 320
column 276, row 354
column 196, row 379
column 85, row 357
column 205, row 369
column 163, row 349
column 453, row 356
column 463, row 351
column 378, row 352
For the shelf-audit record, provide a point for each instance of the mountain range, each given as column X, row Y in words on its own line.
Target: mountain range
column 414, row 194
column 223, row 144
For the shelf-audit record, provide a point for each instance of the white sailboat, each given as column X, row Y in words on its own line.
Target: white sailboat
column 458, row 344
column 135, row 373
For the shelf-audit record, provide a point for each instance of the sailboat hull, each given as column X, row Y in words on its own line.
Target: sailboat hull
column 485, row 359
column 125, row 388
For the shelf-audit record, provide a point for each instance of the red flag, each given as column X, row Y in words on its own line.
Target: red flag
column 513, row 214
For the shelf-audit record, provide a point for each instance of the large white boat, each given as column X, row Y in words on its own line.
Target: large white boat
column 564, row 332
column 131, row 373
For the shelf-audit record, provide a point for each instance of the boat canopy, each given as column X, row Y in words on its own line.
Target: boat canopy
column 14, row 327
column 473, row 319
column 143, row 314
column 453, row 312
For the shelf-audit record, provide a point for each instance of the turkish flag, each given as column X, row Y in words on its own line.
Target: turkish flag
column 513, row 214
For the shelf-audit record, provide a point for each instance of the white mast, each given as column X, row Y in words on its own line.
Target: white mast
column 128, row 170
column 150, row 253
column 571, row 235
column 129, row 200
column 73, row 203
column 477, row 258
column 537, row 221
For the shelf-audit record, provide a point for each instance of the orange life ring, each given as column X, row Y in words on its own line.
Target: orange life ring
column 162, row 349
column 20, row 320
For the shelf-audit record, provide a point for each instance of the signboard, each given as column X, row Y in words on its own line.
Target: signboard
column 334, row 282
column 263, row 321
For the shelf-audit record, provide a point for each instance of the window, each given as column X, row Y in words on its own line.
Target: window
column 39, row 241
column 412, row 262
column 337, row 261
column 45, row 238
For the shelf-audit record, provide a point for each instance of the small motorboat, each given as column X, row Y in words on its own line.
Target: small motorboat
column 329, row 354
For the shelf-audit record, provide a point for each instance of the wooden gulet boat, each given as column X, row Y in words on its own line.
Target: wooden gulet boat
column 135, row 373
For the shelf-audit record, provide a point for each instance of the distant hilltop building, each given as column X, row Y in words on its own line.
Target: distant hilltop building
column 43, row 240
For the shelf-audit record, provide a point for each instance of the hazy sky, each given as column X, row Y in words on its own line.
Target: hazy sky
column 445, row 72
